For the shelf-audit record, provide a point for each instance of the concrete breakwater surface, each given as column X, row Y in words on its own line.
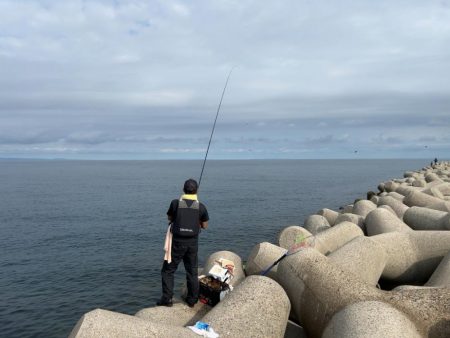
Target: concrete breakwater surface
column 379, row 267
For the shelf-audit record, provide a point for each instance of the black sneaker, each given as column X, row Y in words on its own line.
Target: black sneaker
column 162, row 302
column 190, row 304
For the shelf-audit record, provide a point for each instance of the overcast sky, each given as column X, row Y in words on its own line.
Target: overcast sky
column 139, row 79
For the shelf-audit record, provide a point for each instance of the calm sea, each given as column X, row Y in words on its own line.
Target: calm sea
column 80, row 235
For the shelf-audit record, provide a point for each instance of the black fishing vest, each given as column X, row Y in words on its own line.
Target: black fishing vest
column 187, row 220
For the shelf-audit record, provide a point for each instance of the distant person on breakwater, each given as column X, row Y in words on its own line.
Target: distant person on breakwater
column 435, row 161
column 186, row 216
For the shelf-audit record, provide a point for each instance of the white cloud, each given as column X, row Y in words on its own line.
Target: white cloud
column 118, row 66
column 180, row 9
column 126, row 58
column 182, row 150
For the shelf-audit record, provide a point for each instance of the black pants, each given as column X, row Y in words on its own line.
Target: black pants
column 182, row 249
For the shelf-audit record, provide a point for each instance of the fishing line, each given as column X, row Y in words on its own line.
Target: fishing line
column 214, row 127
column 301, row 243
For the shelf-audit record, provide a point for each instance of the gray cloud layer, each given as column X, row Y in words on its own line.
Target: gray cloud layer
column 142, row 79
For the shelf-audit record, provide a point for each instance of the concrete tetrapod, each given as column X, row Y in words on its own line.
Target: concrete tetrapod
column 395, row 204
column 441, row 276
column 370, row 319
column 316, row 223
column 261, row 257
column 103, row 323
column 442, row 173
column 349, row 217
column 419, row 218
column 396, row 195
column 410, row 174
column 238, row 273
column 435, row 184
column 329, row 214
column 414, row 255
column 411, row 287
column 375, row 199
column 381, row 221
column 420, row 199
column 391, row 186
column 388, row 208
column 319, row 289
column 405, row 190
column 363, row 207
column 432, row 177
column 428, row 308
column 363, row 257
column 332, row 239
column 289, row 235
column 346, row 209
column 444, row 188
column 434, row 191
column 258, row 307
column 264, row 254
column 419, row 183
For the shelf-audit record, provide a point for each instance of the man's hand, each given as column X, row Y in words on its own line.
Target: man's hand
column 204, row 225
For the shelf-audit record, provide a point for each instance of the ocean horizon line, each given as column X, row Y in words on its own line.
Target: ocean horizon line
column 20, row 159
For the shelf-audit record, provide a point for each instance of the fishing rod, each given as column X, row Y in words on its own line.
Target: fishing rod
column 214, row 126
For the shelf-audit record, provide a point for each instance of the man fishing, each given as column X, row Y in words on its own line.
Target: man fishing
column 186, row 216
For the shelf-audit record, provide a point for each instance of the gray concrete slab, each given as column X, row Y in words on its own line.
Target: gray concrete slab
column 179, row 314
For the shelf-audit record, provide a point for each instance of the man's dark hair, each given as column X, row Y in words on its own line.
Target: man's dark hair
column 190, row 186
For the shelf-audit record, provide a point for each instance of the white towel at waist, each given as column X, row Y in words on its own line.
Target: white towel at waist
column 168, row 245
